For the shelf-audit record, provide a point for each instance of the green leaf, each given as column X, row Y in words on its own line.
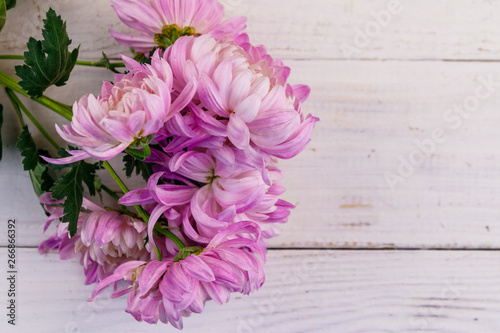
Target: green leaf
column 48, row 62
column 41, row 179
column 47, row 180
column 3, row 14
column 98, row 186
column 88, row 176
column 88, row 170
column 37, row 167
column 10, row 4
column 1, row 123
column 28, row 149
column 70, row 188
column 106, row 63
column 141, row 168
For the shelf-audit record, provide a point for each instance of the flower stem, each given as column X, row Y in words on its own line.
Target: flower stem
column 16, row 108
column 172, row 236
column 61, row 109
column 141, row 210
column 110, row 192
column 115, row 176
column 15, row 100
column 11, row 57
column 111, row 65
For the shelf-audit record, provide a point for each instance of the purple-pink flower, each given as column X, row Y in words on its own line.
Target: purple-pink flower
column 169, row 290
column 104, row 240
column 160, row 22
column 126, row 113
column 212, row 114
column 241, row 98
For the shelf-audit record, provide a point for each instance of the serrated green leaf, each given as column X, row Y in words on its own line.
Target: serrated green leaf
column 47, row 180
column 28, row 149
column 98, row 186
column 48, row 62
column 41, row 179
column 88, row 176
column 10, row 4
column 141, row 168
column 70, row 188
column 1, row 123
column 87, row 170
column 104, row 61
column 3, row 14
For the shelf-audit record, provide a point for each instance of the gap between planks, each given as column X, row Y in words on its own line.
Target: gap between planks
column 353, row 249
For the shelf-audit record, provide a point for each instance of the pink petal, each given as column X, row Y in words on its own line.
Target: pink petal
column 238, row 132
column 210, row 97
column 198, row 268
column 248, row 109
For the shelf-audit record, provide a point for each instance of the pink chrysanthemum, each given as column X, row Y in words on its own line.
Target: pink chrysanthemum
column 241, row 97
column 126, row 113
column 228, row 189
column 105, row 239
column 170, row 290
column 161, row 22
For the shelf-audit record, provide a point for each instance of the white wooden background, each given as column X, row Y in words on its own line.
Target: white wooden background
column 357, row 255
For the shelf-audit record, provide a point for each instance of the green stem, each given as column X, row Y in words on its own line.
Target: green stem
column 61, row 109
column 141, row 210
column 115, row 176
column 28, row 114
column 172, row 236
column 11, row 57
column 16, row 107
column 112, row 65
column 110, row 192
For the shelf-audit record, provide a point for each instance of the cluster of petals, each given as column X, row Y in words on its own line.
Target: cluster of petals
column 150, row 17
column 127, row 111
column 241, row 98
column 104, row 240
column 227, row 190
column 169, row 290
column 216, row 114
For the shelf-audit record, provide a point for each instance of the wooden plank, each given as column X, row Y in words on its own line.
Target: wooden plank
column 372, row 113
column 316, row 29
column 305, row 291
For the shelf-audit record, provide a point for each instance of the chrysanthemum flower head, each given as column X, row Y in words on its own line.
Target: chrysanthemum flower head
column 161, row 22
column 242, row 98
column 128, row 112
column 172, row 289
column 105, row 238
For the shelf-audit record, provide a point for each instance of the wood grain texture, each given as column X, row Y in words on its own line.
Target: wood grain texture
column 296, row 29
column 371, row 114
column 374, row 100
column 305, row 291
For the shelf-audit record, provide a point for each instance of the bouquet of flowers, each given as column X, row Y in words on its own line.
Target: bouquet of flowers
column 203, row 116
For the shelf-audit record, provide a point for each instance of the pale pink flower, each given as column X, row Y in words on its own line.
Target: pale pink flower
column 127, row 113
column 261, row 62
column 193, row 56
column 160, row 22
column 229, row 189
column 104, row 239
column 241, row 98
column 170, row 290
